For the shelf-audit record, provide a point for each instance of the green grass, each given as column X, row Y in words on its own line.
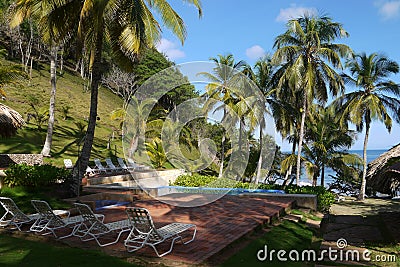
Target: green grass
column 22, row 197
column 305, row 215
column 70, row 92
column 288, row 235
column 20, row 252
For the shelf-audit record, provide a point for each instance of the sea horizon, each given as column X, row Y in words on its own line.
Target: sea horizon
column 371, row 155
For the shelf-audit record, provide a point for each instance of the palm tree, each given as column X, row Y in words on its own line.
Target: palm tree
column 306, row 53
column 261, row 75
column 129, row 26
column 326, row 142
column 373, row 101
column 37, row 10
column 221, row 87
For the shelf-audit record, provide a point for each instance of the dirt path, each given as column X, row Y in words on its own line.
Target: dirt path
column 361, row 225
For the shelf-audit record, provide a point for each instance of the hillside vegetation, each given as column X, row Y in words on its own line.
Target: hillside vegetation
column 71, row 94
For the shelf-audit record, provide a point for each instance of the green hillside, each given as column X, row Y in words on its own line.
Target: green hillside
column 70, row 92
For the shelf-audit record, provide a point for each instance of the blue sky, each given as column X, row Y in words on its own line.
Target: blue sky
column 247, row 30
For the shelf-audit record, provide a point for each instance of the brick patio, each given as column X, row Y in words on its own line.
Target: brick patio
column 218, row 224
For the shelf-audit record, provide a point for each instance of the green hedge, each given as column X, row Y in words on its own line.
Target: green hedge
column 34, row 176
column 325, row 198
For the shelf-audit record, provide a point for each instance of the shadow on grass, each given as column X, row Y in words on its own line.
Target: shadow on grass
column 20, row 252
column 286, row 236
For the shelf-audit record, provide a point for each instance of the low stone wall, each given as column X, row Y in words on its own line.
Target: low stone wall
column 30, row 159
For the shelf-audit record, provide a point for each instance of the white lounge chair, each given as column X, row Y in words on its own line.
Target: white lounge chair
column 123, row 166
column 111, row 166
column 90, row 171
column 92, row 228
column 132, row 164
column 68, row 164
column 48, row 221
column 100, row 167
column 144, row 232
column 14, row 216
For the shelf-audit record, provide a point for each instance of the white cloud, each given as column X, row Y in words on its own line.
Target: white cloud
column 255, row 52
column 170, row 49
column 388, row 10
column 294, row 12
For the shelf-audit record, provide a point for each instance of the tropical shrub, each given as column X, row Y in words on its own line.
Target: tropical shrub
column 325, row 198
column 194, row 180
column 34, row 176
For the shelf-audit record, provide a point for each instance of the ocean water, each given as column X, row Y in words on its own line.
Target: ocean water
column 371, row 155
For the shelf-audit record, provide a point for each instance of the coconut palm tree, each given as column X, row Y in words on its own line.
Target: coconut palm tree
column 129, row 26
column 37, row 10
column 308, row 56
column 326, row 142
column 222, row 87
column 261, row 76
column 377, row 98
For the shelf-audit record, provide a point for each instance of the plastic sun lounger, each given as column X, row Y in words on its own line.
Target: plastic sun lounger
column 14, row 216
column 68, row 164
column 90, row 171
column 100, row 167
column 132, row 164
column 123, row 165
column 111, row 165
column 144, row 232
column 48, row 221
column 92, row 228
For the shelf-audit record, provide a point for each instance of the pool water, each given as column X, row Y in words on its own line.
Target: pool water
column 105, row 204
column 165, row 190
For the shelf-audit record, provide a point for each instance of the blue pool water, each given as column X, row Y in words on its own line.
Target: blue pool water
column 165, row 190
column 104, row 204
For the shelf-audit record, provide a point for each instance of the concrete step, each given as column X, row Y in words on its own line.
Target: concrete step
column 109, row 179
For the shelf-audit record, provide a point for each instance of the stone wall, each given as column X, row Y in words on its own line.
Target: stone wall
column 30, row 159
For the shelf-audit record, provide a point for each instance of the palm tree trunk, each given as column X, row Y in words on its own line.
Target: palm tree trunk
column 83, row 159
column 260, row 158
column 301, row 135
column 53, row 68
column 289, row 171
column 363, row 181
column 221, row 166
column 323, row 175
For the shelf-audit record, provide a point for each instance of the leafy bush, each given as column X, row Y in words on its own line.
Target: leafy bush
column 325, row 198
column 195, row 180
column 34, row 176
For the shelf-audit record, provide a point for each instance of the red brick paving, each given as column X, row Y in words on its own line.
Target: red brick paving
column 218, row 223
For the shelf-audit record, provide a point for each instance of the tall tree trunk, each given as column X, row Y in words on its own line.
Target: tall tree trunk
column 301, row 135
column 61, row 60
column 240, row 144
column 323, row 175
column 260, row 158
column 289, row 171
column 363, row 181
column 53, row 68
column 221, row 166
column 84, row 157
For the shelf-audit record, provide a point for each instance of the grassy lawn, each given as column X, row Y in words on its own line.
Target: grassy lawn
column 22, row 197
column 70, row 93
column 288, row 235
column 20, row 252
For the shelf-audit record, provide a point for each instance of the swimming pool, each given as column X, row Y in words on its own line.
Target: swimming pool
column 165, row 190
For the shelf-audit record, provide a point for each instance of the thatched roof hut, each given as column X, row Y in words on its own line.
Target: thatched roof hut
column 10, row 121
column 383, row 173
